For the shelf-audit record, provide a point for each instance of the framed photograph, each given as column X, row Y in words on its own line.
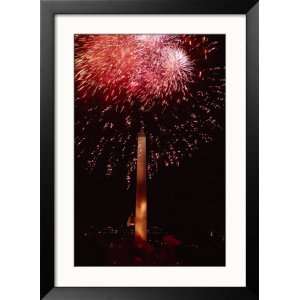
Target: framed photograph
column 149, row 149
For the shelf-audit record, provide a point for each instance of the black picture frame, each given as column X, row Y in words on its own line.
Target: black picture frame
column 49, row 8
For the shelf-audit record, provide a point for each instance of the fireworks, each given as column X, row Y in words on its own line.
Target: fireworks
column 165, row 83
column 144, row 67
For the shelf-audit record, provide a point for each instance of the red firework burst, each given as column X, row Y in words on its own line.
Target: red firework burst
column 144, row 67
column 173, row 84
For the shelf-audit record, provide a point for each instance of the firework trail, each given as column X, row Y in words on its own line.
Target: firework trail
column 165, row 83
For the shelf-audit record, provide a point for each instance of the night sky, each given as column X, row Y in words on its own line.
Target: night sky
column 181, row 197
column 186, row 199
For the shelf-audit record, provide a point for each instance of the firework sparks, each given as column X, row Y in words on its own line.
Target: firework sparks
column 143, row 67
column 165, row 83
